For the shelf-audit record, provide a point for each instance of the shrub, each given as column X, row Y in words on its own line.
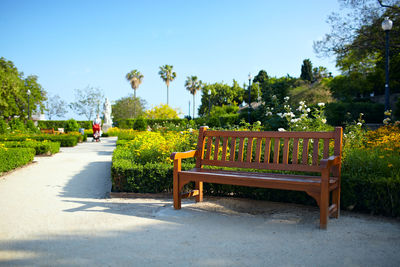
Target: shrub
column 16, row 125
column 65, row 140
column 341, row 113
column 71, row 126
column 140, row 124
column 31, row 128
column 41, row 147
column 11, row 158
column 3, row 127
column 62, row 124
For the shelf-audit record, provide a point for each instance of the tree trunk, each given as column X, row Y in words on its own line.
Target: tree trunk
column 193, row 106
column 134, row 103
column 167, row 94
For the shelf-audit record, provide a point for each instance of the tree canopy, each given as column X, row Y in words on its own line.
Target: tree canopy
column 87, row 101
column 193, row 84
column 125, row 108
column 135, row 78
column 162, row 111
column 13, row 92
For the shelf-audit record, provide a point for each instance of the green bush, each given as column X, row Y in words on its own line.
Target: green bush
column 65, row 140
column 342, row 113
column 31, row 128
column 4, row 127
column 71, row 126
column 41, row 147
column 11, row 158
column 147, row 178
column 62, row 124
column 140, row 124
column 153, row 123
column 16, row 125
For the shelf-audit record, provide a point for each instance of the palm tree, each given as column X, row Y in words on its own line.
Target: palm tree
column 193, row 85
column 167, row 75
column 135, row 78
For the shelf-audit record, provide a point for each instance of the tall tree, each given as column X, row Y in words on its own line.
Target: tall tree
column 192, row 84
column 306, row 70
column 13, row 92
column 87, row 101
column 167, row 75
column 261, row 77
column 55, row 107
column 135, row 78
column 128, row 108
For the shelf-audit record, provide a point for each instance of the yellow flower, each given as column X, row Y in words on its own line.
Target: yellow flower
column 390, row 165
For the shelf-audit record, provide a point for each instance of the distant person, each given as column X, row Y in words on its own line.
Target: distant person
column 96, row 129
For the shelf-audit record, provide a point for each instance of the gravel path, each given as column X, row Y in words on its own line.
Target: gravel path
column 55, row 212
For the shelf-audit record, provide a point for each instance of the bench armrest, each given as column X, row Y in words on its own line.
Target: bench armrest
column 183, row 155
column 329, row 162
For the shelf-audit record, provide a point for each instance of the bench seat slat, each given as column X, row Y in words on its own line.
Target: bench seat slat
column 262, row 166
column 247, row 134
column 266, row 180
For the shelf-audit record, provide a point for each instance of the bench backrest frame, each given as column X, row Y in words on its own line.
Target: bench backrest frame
column 267, row 145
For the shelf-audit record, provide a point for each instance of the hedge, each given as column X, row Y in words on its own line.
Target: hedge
column 62, row 124
column 41, row 147
column 377, row 195
column 11, row 158
column 130, row 123
column 65, row 140
column 341, row 113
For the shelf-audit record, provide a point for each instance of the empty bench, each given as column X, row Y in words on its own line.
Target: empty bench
column 300, row 152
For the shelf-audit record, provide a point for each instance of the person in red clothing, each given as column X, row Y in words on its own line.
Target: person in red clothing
column 96, row 129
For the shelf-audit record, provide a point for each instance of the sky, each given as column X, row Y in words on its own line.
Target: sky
column 72, row 44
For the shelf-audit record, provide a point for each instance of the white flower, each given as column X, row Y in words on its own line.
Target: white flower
column 359, row 123
column 308, row 109
column 279, row 114
column 321, row 104
column 281, row 130
column 301, row 103
column 323, row 120
column 286, row 98
column 269, row 113
column 386, row 121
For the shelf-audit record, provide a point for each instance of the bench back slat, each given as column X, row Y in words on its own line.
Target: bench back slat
column 268, row 150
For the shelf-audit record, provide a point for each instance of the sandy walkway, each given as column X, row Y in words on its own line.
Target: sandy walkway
column 55, row 213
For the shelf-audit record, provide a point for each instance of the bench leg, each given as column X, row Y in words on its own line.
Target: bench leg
column 199, row 186
column 176, row 186
column 336, row 200
column 324, row 201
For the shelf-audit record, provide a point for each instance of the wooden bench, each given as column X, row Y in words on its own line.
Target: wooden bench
column 315, row 152
column 52, row 131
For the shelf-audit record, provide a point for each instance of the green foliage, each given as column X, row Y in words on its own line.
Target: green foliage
column 341, row 113
column 135, row 78
column 87, row 102
column 65, row 140
column 140, row 124
column 396, row 112
column 167, row 75
column 219, row 94
column 13, row 92
column 63, row 124
column 17, row 125
column 41, row 147
column 312, row 94
column 306, row 71
column 11, row 158
column 71, row 126
column 4, row 127
column 128, row 108
column 31, row 128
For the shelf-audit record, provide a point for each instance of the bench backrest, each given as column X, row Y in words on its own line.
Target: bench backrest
column 292, row 151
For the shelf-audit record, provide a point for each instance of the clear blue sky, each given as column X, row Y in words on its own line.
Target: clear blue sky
column 71, row 44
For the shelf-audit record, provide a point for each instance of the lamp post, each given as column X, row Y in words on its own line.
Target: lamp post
column 387, row 26
column 250, row 77
column 29, row 110
column 209, row 101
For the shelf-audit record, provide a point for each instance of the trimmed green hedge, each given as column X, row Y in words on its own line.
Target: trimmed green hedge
column 11, row 158
column 130, row 123
column 342, row 113
column 377, row 195
column 62, row 124
column 41, row 147
column 65, row 140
